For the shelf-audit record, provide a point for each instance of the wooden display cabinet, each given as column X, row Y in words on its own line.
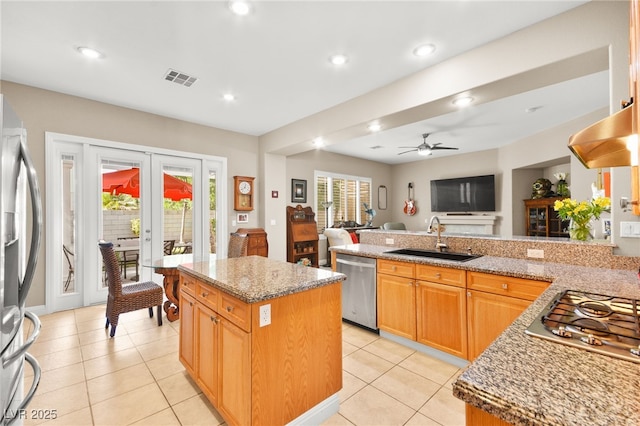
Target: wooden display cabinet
column 302, row 235
column 542, row 220
column 258, row 244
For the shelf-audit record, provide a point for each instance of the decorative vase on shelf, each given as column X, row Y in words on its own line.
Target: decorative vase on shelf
column 580, row 230
column 562, row 189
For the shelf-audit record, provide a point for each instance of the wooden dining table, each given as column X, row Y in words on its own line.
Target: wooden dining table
column 168, row 267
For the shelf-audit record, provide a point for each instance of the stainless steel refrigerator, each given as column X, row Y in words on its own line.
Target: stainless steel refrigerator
column 20, row 236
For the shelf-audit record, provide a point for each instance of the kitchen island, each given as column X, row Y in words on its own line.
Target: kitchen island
column 263, row 339
column 524, row 380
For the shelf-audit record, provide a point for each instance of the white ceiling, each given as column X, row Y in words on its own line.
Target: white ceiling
column 275, row 61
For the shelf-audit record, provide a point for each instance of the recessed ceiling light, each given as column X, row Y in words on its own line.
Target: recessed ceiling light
column 240, row 7
column 90, row 53
column 338, row 59
column 318, row 141
column 424, row 50
column 463, row 101
column 229, row 97
column 375, row 127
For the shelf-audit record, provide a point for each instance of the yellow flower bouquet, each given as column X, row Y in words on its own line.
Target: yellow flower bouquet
column 580, row 213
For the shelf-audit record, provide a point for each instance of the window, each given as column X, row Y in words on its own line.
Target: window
column 347, row 195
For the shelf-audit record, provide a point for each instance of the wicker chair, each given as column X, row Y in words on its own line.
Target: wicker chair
column 238, row 245
column 130, row 297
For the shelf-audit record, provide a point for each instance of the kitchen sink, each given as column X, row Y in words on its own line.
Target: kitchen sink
column 458, row 257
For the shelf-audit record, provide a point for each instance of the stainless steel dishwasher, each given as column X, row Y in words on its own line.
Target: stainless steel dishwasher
column 358, row 290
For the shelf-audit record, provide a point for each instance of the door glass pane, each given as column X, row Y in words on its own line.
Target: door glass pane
column 178, row 212
column 121, row 215
column 68, row 224
column 212, row 211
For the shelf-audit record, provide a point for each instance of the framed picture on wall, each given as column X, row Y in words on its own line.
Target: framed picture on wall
column 243, row 217
column 298, row 191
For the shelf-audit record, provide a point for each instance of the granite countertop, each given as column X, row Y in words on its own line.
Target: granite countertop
column 525, row 380
column 256, row 278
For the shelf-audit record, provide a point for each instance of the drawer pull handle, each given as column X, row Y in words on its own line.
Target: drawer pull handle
column 505, row 286
column 438, row 275
column 393, row 268
column 205, row 294
column 215, row 320
column 229, row 308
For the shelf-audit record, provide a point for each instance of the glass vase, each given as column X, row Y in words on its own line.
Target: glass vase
column 580, row 230
column 562, row 189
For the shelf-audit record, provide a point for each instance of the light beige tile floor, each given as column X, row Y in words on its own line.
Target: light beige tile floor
column 136, row 377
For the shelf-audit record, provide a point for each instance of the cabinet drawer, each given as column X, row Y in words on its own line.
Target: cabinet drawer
column 400, row 269
column 235, row 311
column 188, row 284
column 208, row 295
column 438, row 274
column 507, row 286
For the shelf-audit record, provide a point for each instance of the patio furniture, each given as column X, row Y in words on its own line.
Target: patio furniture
column 238, row 245
column 127, row 298
column 168, row 247
column 128, row 254
column 68, row 254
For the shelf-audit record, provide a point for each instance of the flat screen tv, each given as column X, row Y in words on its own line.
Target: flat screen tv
column 464, row 195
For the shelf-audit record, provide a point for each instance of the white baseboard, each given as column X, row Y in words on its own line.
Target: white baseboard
column 318, row 414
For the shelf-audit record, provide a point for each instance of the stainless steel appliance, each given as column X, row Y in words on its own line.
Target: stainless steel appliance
column 358, row 290
column 600, row 323
column 16, row 269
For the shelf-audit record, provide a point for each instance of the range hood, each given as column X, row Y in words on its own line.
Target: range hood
column 605, row 143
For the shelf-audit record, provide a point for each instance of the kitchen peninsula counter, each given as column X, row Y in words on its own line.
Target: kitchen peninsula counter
column 263, row 339
column 525, row 380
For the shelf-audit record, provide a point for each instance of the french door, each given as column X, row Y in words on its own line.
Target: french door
column 148, row 203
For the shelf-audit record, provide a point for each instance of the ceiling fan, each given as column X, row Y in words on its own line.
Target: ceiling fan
column 424, row 148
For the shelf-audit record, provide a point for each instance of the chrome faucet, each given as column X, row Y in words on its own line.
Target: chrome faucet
column 440, row 246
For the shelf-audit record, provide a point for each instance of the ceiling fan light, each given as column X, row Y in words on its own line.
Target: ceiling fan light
column 424, row 151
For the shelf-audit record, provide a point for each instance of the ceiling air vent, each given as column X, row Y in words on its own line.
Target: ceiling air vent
column 180, row 78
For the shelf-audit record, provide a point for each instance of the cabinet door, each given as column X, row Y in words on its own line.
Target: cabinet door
column 207, row 351
column 488, row 316
column 235, row 378
column 187, row 343
column 396, row 305
column 442, row 317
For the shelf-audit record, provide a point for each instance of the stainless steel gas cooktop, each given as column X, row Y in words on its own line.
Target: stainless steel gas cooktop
column 600, row 323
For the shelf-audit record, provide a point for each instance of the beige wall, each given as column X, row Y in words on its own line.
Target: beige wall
column 45, row 111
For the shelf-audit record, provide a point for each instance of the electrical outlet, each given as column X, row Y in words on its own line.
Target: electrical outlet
column 389, row 240
column 537, row 254
column 265, row 315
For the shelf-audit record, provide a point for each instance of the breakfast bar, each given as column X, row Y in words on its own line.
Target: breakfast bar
column 263, row 338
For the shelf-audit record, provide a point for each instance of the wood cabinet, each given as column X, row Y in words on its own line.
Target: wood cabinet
column 258, row 244
column 541, row 220
column 493, row 303
column 423, row 303
column 302, row 235
column 396, row 298
column 261, row 374
column 441, row 302
column 209, row 341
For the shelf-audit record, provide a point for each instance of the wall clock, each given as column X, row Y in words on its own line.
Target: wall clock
column 243, row 193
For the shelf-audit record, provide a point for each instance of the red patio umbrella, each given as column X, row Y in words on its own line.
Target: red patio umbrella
column 128, row 182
